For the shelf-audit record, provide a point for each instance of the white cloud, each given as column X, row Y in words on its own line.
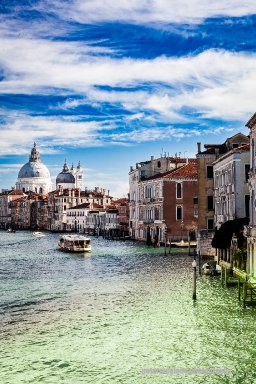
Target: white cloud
column 212, row 82
column 147, row 11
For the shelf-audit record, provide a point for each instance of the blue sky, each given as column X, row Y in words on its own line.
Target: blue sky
column 112, row 83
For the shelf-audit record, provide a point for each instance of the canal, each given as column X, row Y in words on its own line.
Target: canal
column 124, row 314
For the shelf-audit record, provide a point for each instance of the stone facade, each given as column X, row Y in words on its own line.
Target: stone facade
column 205, row 161
column 5, row 210
column 231, row 190
column 157, row 209
column 144, row 208
column 251, row 229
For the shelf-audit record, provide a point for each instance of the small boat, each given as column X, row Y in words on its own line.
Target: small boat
column 211, row 268
column 38, row 234
column 75, row 243
column 207, row 269
column 10, row 230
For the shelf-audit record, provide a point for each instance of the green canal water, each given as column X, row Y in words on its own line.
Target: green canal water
column 124, row 314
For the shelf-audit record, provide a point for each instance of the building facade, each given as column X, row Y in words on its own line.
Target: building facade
column 61, row 200
column 5, row 210
column 206, row 212
column 251, row 228
column 142, row 207
column 163, row 204
column 231, row 190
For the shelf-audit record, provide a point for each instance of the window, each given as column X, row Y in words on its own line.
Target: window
column 247, row 205
column 178, row 191
column 159, row 164
column 178, row 213
column 148, row 192
column 235, row 145
column 210, row 223
column 195, row 200
column 210, row 171
column 246, row 170
column 210, row 203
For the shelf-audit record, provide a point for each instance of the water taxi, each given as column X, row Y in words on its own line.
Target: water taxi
column 75, row 243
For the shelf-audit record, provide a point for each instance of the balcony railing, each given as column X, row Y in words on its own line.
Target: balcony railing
column 148, row 221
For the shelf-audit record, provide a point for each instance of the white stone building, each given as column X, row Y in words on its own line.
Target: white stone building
column 34, row 176
column 231, row 190
column 62, row 200
column 251, row 229
column 77, row 217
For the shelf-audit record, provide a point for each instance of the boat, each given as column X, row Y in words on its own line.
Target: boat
column 207, row 269
column 211, row 268
column 38, row 234
column 75, row 243
column 10, row 230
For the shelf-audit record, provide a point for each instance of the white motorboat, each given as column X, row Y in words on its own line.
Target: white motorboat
column 207, row 269
column 211, row 268
column 38, row 234
column 75, row 243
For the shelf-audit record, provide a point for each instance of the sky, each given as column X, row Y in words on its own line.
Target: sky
column 111, row 83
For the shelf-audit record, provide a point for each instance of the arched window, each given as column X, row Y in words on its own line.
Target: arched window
column 40, row 190
column 35, row 189
column 178, row 191
column 159, row 164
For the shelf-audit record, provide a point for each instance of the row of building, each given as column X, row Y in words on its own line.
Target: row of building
column 64, row 210
column 173, row 198
column 69, row 207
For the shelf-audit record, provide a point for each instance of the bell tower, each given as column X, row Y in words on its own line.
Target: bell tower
column 79, row 176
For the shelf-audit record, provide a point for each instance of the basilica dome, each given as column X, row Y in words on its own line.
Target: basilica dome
column 34, row 175
column 33, row 169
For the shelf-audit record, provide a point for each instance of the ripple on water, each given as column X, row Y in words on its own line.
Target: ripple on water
column 107, row 317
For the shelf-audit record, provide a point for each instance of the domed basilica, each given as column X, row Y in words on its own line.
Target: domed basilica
column 34, row 175
column 72, row 178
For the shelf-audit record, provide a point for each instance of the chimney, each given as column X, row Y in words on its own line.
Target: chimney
column 217, row 151
column 131, row 168
column 198, row 147
column 152, row 158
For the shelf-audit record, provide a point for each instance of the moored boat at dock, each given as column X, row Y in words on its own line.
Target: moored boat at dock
column 75, row 243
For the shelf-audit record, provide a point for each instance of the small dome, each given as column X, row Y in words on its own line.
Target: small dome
column 33, row 169
column 65, row 177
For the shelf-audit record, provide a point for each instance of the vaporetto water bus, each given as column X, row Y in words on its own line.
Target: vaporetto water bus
column 75, row 243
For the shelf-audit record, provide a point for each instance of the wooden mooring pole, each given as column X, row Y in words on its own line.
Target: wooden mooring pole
column 194, row 275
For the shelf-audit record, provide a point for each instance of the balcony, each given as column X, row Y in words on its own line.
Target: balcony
column 148, row 221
